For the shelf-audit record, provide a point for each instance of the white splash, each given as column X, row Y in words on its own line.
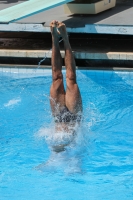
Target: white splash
column 12, row 102
column 69, row 158
column 69, row 149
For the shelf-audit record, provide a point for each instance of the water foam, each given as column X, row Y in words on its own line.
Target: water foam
column 53, row 137
column 12, row 102
column 70, row 160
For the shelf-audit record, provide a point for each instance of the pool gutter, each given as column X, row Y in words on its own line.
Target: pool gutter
column 29, row 68
column 83, row 58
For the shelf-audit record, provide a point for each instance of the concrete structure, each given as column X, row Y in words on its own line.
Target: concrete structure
column 117, row 21
column 89, row 8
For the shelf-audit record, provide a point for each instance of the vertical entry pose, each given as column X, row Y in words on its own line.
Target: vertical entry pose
column 66, row 105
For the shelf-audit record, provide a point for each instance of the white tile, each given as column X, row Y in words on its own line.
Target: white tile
column 14, row 70
column 1, row 69
column 5, row 69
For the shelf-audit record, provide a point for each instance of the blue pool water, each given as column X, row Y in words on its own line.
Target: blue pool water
column 98, row 165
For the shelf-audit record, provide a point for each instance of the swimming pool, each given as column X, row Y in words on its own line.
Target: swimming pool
column 97, row 166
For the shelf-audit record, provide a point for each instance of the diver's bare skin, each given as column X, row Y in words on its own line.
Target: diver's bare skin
column 57, row 91
column 71, row 98
column 60, row 99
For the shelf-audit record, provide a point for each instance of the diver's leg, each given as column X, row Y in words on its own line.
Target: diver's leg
column 57, row 92
column 73, row 97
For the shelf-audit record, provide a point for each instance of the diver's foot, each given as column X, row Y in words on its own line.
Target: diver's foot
column 53, row 28
column 62, row 30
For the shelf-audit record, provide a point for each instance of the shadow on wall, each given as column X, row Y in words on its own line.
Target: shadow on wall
column 10, row 1
column 79, row 20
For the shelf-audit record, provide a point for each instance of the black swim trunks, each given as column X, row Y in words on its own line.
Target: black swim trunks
column 66, row 116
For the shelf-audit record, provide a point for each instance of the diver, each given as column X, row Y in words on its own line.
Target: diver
column 66, row 105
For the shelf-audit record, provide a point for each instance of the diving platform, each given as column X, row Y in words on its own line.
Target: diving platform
column 28, row 8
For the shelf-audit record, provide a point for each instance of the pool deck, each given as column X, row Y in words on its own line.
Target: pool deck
column 116, row 21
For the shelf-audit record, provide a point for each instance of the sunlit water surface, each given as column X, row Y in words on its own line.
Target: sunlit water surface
column 97, row 165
